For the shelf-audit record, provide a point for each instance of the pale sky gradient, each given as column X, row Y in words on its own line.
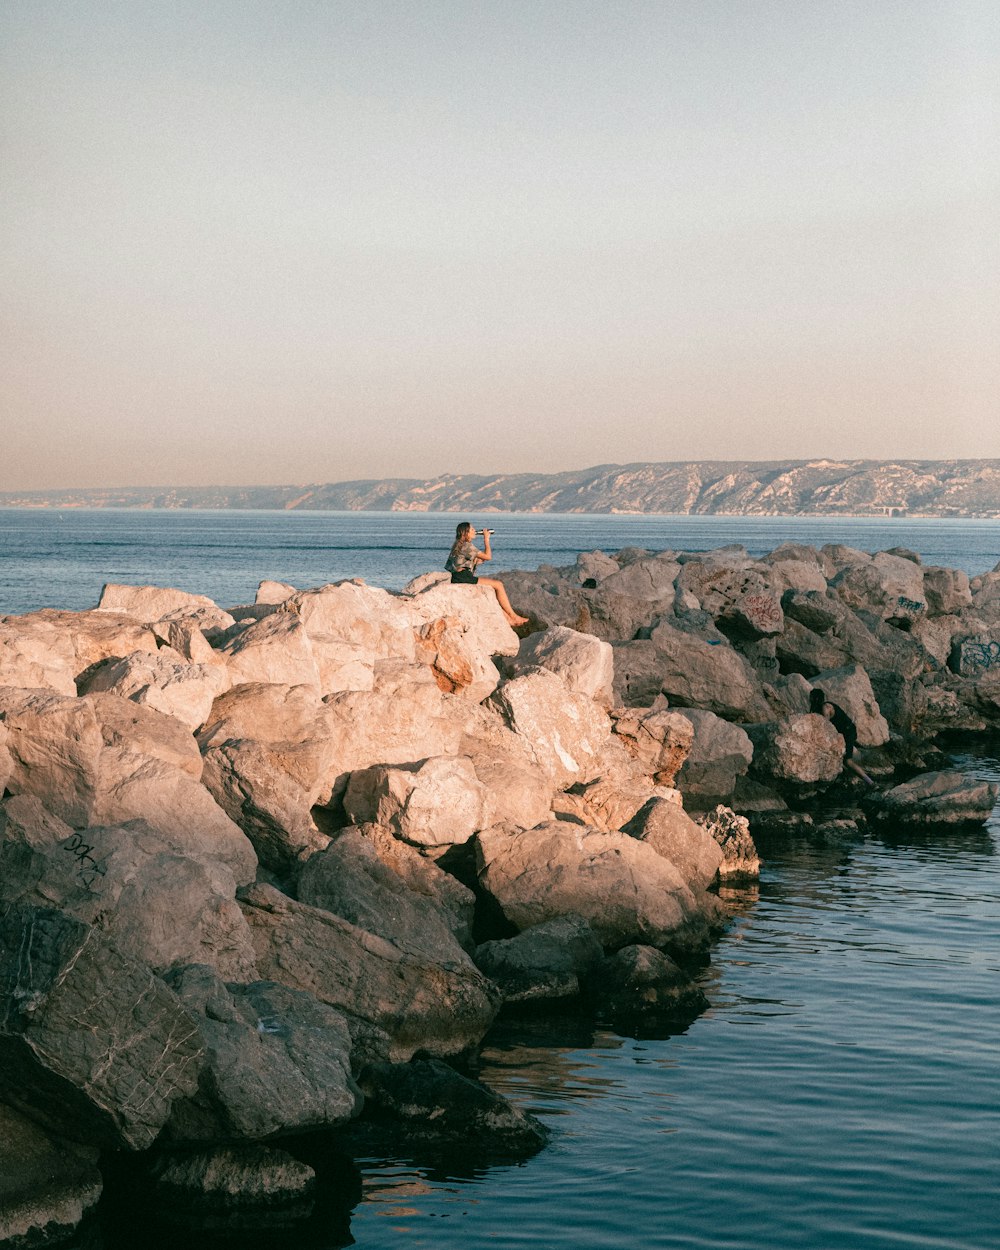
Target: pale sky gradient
column 277, row 241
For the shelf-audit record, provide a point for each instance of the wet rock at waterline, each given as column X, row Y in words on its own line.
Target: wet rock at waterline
column 938, row 798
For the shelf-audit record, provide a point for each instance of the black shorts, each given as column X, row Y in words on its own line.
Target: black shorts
column 464, row 577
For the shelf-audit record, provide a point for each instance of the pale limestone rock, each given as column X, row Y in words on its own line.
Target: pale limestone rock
column 188, row 640
column 802, row 575
column 851, row 688
column 609, row 802
column 395, row 1003
column 753, row 615
column 128, row 728
column 565, row 733
column 671, row 832
column 477, row 629
column 273, row 592
column 596, row 565
column 84, row 1016
column 267, row 712
column 424, row 581
column 458, row 666
column 583, row 662
column 659, row 740
column 550, row 961
column 350, row 879
column 363, row 616
column 739, row 854
column 165, row 682
column 152, row 603
column 937, row 798
column 804, row 748
column 693, row 673
column 36, row 655
column 275, row 649
column 623, row 888
column 278, row 1059
column 936, row 635
column 163, row 908
column 438, row 802
column 54, row 744
column 650, row 578
column 719, row 755
column 891, row 586
column 947, row 591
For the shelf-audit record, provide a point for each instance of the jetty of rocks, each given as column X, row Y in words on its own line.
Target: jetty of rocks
column 276, row 868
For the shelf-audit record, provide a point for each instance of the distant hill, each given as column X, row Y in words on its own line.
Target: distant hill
column 961, row 488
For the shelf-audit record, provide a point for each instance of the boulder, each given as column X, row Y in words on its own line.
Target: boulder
column 623, row 888
column 697, row 674
column 801, row 749
column 584, row 662
column 440, row 644
column 608, row 802
column 46, row 1185
column 936, row 798
column 163, row 681
column 811, row 608
column 890, row 586
column 54, row 743
column 657, row 739
column 276, row 1061
column 90, row 1039
column 395, row 1003
column 720, row 753
column 427, row 1099
column 977, row 656
column 478, row 629
column 670, row 831
column 804, row 576
column 642, row 981
column 595, row 566
column 638, row 672
column 851, row 688
column 454, row 903
column 549, row 961
column 273, row 592
column 801, row 650
column 350, row 880
column 36, row 655
column 739, row 854
column 947, row 591
column 152, row 603
column 650, row 578
column 756, row 614
column 184, row 636
column 129, row 884
column 276, row 649
column 564, row 733
column 232, row 1187
column 435, row 802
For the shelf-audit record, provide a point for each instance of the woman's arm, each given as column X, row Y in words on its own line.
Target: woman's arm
column 486, row 553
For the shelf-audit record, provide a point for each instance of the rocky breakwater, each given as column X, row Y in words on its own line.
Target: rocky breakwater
column 736, row 645
column 276, row 869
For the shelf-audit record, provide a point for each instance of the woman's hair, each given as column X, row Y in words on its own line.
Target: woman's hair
column 463, row 533
column 816, row 700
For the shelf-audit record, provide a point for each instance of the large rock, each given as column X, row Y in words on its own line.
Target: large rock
column 476, row 631
column 350, row 880
column 720, row 754
column 947, row 591
column 697, row 674
column 36, row 655
column 395, row 1003
column 640, row 981
column 226, row 1188
column 888, row 585
column 811, row 608
column 435, row 802
column 608, row 802
column 851, row 688
column 276, row 650
column 549, row 961
column 46, row 1185
column 584, row 662
column 276, row 1061
column 624, row 889
column 670, row 831
column 755, row 614
column 427, row 1099
column 54, row 744
column 163, row 908
column 658, row 740
column 151, row 603
column 165, row 682
column 740, row 860
column 801, row 749
column 564, row 733
column 937, row 798
column 90, row 1040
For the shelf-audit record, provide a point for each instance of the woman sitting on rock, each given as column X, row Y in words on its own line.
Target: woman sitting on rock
column 821, row 705
column 462, row 563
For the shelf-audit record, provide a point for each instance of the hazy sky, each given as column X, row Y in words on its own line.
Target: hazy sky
column 276, row 241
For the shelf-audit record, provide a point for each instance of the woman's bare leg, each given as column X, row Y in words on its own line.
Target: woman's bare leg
column 856, row 768
column 501, row 594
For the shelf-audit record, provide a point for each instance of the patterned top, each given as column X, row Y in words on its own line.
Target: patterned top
column 464, row 558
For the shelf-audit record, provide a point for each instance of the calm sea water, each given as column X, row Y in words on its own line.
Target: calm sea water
column 842, row 1092
column 61, row 559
